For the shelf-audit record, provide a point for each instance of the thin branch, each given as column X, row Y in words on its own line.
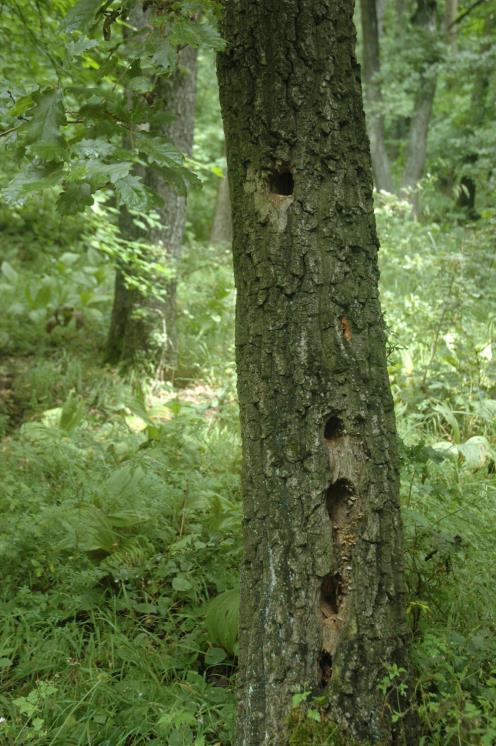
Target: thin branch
column 465, row 13
column 7, row 132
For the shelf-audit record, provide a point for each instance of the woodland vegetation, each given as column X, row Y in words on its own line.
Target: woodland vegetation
column 120, row 453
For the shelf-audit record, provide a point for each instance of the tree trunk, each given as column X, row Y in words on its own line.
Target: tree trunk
column 222, row 224
column 373, row 94
column 450, row 14
column 400, row 11
column 144, row 328
column 467, row 190
column 323, row 594
column 425, row 20
column 381, row 11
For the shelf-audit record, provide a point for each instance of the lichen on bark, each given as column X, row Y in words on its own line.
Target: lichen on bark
column 322, row 604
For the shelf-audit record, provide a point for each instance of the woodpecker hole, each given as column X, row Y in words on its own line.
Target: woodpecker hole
column 333, row 428
column 325, row 665
column 330, row 593
column 281, row 183
column 337, row 498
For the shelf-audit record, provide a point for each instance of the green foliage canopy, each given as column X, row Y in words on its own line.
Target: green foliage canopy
column 88, row 118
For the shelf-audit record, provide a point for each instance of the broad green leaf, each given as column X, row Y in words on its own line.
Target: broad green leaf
column 98, row 173
column 222, row 620
column 94, row 147
column 131, row 192
column 9, row 272
column 164, row 56
column 81, row 45
column 81, row 16
column 214, row 656
column 43, row 296
column 75, row 198
column 112, row 171
column 153, row 50
column 298, row 698
column 37, row 315
column 117, row 171
column 141, row 84
column 135, row 423
column 313, row 714
column 176, row 718
column 146, row 608
column 486, row 410
column 42, row 131
column 159, row 151
column 49, row 151
column 21, row 106
column 181, row 583
column 196, row 35
column 476, row 452
column 446, row 448
column 29, row 181
column 69, row 258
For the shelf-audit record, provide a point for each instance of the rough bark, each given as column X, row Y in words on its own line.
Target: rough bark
column 144, row 328
column 222, row 223
column 425, row 21
column 323, row 595
column 373, row 94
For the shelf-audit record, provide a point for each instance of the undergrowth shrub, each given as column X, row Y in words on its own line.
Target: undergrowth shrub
column 438, row 296
column 120, row 536
column 116, row 554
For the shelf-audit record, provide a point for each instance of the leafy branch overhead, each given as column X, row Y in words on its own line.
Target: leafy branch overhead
column 99, row 122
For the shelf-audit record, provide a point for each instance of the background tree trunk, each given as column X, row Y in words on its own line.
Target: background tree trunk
column 381, row 11
column 142, row 327
column 373, row 94
column 400, row 6
column 222, row 223
column 467, row 191
column 322, row 584
column 450, row 14
column 425, row 21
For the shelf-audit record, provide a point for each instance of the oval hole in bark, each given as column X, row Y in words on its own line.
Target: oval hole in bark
column 325, row 665
column 337, row 499
column 281, row 182
column 330, row 592
column 333, row 428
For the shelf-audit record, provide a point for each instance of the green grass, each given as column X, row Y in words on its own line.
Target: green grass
column 121, row 508
column 114, row 538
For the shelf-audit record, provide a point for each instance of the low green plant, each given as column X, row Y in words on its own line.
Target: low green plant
column 438, row 297
column 122, row 535
column 310, row 724
column 120, row 539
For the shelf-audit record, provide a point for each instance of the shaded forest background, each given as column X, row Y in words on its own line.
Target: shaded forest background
column 119, row 483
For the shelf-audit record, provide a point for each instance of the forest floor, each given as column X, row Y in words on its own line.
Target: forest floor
column 120, row 537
